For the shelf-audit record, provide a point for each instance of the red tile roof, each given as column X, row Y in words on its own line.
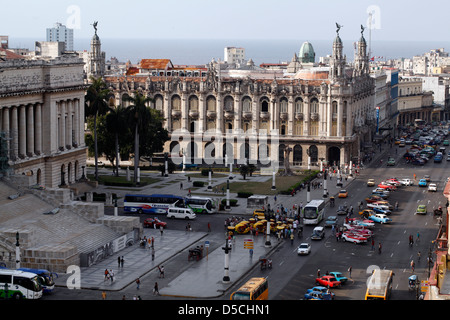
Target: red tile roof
column 10, row 55
column 157, row 64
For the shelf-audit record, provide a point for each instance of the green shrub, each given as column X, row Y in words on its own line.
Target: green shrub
column 244, row 194
column 233, row 202
column 198, row 184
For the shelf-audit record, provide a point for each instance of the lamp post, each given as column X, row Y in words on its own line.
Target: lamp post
column 268, row 243
column 226, row 275
column 325, row 190
column 273, row 179
column 227, row 206
column 166, row 164
column 209, row 179
column 17, row 251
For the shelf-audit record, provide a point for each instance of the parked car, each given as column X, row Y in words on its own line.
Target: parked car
column 375, row 205
column 331, row 221
column 407, row 182
column 318, row 233
column 317, row 295
column 339, row 276
column 421, row 209
column 304, row 248
column 154, row 223
column 422, row 183
column 352, row 237
column 427, row 177
column 432, row 187
column 380, row 218
column 328, row 281
column 373, row 198
column 322, row 289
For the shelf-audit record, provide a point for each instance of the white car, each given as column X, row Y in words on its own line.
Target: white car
column 378, row 205
column 407, row 182
column 304, row 248
column 432, row 187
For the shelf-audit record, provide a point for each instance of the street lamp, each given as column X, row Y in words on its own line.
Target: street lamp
column 17, row 251
column 226, row 276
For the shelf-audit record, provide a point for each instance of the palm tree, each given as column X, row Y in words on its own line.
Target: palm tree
column 96, row 104
column 139, row 115
column 116, row 124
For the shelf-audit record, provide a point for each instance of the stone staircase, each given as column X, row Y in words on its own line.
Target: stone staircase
column 60, row 237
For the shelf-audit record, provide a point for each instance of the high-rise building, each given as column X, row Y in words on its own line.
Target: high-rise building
column 60, row 33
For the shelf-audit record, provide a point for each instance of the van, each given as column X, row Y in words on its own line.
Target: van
column 180, row 213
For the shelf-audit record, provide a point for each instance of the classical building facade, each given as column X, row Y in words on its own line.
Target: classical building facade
column 42, row 119
column 318, row 115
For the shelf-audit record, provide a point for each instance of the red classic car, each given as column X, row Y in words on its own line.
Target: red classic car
column 328, row 281
column 154, row 223
column 373, row 198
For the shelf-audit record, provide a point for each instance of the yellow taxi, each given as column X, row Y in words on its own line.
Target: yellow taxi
column 258, row 213
column 343, row 194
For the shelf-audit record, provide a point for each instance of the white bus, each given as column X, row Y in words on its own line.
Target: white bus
column 16, row 284
column 313, row 212
column 153, row 204
column 201, row 205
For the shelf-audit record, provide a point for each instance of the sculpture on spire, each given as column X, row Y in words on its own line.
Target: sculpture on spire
column 95, row 26
column 338, row 26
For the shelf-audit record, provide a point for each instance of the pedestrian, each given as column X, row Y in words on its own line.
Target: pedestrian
column 209, row 227
column 118, row 262
column 412, row 265
column 373, row 245
column 379, row 248
column 155, row 289
column 418, row 237
column 111, row 275
column 138, row 283
column 161, row 229
column 122, row 261
column 103, row 295
column 350, row 271
column 106, row 275
column 181, row 185
column 418, row 256
column 153, row 242
column 153, row 253
column 161, row 271
column 251, row 253
column 318, row 273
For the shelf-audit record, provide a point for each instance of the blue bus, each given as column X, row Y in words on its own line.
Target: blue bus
column 155, row 203
column 45, row 278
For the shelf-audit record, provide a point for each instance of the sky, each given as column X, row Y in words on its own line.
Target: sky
column 413, row 20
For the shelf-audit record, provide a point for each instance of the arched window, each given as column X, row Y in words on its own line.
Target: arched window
column 299, row 105
column 314, row 106
column 159, row 102
column 193, row 103
column 247, row 104
column 211, row 103
column 228, row 103
column 176, row 103
column 283, row 105
column 265, row 105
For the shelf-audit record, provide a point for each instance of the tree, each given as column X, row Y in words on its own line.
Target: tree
column 96, row 104
column 244, row 171
column 138, row 116
column 116, row 121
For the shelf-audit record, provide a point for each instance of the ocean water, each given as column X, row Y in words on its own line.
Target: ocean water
column 202, row 51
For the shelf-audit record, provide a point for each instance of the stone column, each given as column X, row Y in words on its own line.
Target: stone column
column 38, row 129
column 30, row 130
column 5, row 126
column 339, row 120
column 69, row 120
column 22, row 132
column 14, row 135
column 306, row 117
column 76, row 117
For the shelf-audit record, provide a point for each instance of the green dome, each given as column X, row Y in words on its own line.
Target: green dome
column 306, row 53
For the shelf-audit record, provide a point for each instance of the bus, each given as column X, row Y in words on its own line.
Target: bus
column 379, row 285
column 253, row 289
column 313, row 212
column 419, row 123
column 155, row 203
column 201, row 205
column 45, row 278
column 17, row 284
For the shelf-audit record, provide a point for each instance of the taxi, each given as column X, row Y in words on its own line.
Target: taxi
column 343, row 194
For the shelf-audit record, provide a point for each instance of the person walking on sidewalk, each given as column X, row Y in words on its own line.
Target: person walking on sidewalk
column 155, row 289
column 138, row 283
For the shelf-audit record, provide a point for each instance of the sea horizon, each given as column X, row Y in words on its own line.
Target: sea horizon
column 202, row 51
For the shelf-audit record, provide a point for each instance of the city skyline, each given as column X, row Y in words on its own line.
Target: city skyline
column 201, row 19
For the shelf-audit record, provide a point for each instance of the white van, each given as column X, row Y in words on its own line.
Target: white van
column 180, row 213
